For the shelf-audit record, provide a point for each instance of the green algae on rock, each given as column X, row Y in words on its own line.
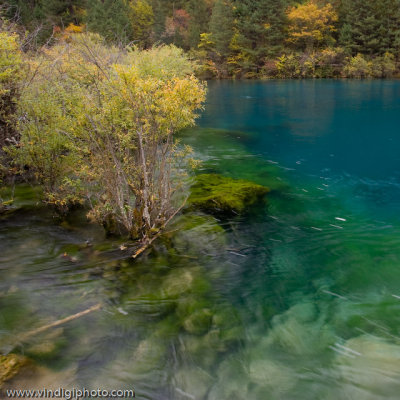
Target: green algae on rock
column 219, row 194
column 198, row 234
column 10, row 366
column 199, row 322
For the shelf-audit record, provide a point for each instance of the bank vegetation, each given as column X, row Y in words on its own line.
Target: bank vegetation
column 94, row 125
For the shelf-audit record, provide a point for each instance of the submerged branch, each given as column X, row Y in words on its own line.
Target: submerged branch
column 160, row 231
column 44, row 328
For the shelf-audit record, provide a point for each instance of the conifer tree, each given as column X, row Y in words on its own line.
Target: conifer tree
column 370, row 27
column 261, row 27
column 199, row 19
column 110, row 18
column 221, row 26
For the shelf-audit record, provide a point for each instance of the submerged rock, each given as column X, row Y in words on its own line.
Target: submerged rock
column 10, row 366
column 39, row 377
column 198, row 351
column 192, row 383
column 298, row 332
column 180, row 281
column 232, row 381
column 47, row 345
column 149, row 355
column 368, row 368
column 198, row 235
column 199, row 322
column 271, row 376
column 214, row 193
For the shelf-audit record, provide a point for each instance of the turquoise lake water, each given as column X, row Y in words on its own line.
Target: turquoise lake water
column 298, row 299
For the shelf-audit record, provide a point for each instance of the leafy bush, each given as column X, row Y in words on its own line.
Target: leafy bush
column 11, row 73
column 11, row 76
column 326, row 63
column 288, row 66
column 98, row 123
column 358, row 67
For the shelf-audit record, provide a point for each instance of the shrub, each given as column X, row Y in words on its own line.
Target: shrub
column 357, row 67
column 11, row 76
column 288, row 66
column 384, row 66
column 99, row 123
column 11, row 73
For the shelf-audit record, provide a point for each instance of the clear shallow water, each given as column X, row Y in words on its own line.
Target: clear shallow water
column 300, row 299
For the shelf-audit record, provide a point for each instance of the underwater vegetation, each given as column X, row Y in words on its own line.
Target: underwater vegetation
column 216, row 193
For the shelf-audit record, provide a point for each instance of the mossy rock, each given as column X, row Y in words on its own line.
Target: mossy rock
column 187, row 305
column 369, row 367
column 199, row 351
column 198, row 234
column 152, row 305
column 149, row 355
column 47, row 346
column 192, row 383
column 10, row 366
column 181, row 281
column 214, row 193
column 199, row 322
column 232, row 381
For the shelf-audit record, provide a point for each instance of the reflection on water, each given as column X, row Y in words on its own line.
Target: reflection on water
column 299, row 299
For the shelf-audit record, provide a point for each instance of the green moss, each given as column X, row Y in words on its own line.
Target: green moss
column 47, row 346
column 198, row 234
column 204, row 224
column 187, row 305
column 218, row 194
column 20, row 196
column 10, row 366
column 199, row 322
column 199, row 350
column 181, row 281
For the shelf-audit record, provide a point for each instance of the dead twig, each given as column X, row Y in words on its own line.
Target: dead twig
column 160, row 231
column 59, row 322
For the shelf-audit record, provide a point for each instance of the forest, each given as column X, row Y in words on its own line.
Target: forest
column 238, row 38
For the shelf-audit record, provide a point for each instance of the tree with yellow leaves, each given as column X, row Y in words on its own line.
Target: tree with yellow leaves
column 99, row 125
column 311, row 25
column 11, row 79
column 11, row 70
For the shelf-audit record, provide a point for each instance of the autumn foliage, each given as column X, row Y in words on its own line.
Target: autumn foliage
column 311, row 25
column 98, row 126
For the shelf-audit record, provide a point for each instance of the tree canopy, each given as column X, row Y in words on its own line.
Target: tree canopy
column 241, row 38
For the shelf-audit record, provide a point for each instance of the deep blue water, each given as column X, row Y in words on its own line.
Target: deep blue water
column 346, row 127
column 341, row 130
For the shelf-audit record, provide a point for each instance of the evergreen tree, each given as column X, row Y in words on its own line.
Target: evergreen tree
column 110, row 18
column 221, row 26
column 199, row 20
column 44, row 15
column 63, row 12
column 261, row 28
column 161, row 11
column 27, row 13
column 370, row 26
